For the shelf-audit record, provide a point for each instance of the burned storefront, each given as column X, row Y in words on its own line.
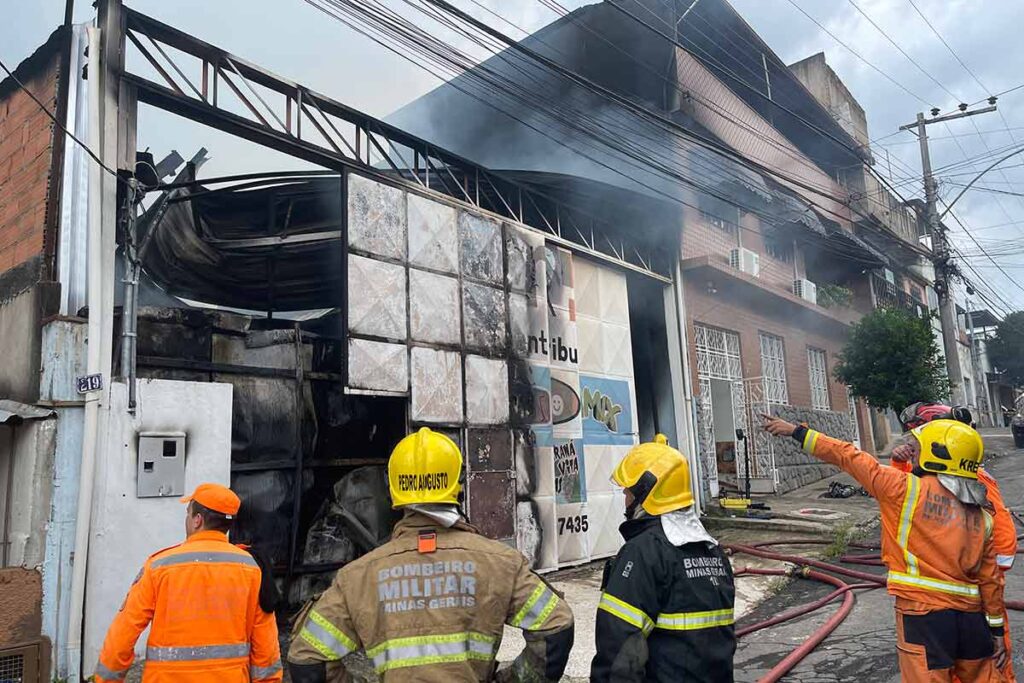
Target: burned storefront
column 281, row 331
column 344, row 310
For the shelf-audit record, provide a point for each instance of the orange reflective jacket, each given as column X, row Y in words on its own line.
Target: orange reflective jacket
column 939, row 552
column 1004, row 533
column 202, row 598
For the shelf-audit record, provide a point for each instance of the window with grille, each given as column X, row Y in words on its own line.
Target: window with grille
column 817, row 368
column 773, row 367
column 718, row 353
column 20, row 664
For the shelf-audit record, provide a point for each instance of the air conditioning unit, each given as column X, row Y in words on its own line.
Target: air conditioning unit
column 745, row 261
column 806, row 290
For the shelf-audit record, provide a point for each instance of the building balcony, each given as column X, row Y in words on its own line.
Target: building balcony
column 888, row 295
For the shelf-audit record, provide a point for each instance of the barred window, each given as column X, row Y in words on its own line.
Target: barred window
column 773, row 367
column 718, row 353
column 817, row 368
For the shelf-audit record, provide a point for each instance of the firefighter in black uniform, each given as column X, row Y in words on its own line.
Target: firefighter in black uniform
column 666, row 610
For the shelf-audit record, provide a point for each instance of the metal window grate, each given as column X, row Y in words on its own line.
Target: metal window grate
column 12, row 668
column 773, row 367
column 20, row 664
column 854, row 423
column 718, row 353
column 817, row 368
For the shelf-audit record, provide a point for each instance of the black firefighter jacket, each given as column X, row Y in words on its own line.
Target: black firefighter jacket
column 666, row 612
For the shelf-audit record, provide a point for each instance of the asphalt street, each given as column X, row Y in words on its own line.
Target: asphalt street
column 862, row 647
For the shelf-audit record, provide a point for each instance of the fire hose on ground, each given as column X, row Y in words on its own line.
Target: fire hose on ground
column 804, row 569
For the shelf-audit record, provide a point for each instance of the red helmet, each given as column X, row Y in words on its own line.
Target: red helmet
column 917, row 414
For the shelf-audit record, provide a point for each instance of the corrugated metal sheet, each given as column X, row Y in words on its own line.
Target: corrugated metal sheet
column 12, row 412
column 72, row 245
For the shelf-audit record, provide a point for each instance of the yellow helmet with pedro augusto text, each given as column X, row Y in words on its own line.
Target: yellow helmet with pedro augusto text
column 657, row 475
column 950, row 447
column 425, row 467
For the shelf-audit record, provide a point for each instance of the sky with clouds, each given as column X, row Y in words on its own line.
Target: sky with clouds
column 293, row 39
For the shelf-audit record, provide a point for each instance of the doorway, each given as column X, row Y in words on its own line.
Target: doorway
column 721, row 400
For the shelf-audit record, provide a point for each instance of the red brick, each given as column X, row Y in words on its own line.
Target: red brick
column 26, row 137
column 27, row 249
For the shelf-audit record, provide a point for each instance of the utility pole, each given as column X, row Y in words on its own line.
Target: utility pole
column 944, row 268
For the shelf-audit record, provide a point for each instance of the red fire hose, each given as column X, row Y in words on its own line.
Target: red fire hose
column 806, row 541
column 794, row 657
column 799, row 611
column 796, row 559
column 842, row 589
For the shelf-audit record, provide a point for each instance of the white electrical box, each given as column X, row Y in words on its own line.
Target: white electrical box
column 161, row 464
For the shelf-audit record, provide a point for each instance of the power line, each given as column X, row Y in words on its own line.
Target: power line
column 859, row 56
column 948, row 47
column 384, row 26
column 1012, row 280
column 993, row 190
column 932, row 138
column 656, row 117
column 902, row 51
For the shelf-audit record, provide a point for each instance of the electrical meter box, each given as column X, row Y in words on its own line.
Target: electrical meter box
column 161, row 464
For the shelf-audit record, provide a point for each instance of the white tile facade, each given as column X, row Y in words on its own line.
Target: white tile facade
column 434, row 312
column 378, row 366
column 376, row 298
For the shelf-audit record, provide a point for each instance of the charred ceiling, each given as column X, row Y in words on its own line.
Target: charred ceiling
column 274, row 247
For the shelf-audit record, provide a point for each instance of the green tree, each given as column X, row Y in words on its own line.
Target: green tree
column 1006, row 348
column 891, row 360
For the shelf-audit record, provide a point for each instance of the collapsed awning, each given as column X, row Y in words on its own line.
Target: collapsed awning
column 864, row 252
column 727, row 175
column 789, row 210
column 791, row 213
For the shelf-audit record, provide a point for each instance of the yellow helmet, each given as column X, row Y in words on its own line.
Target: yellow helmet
column 950, row 447
column 658, row 475
column 425, row 467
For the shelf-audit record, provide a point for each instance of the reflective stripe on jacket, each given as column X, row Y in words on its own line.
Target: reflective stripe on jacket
column 1004, row 534
column 939, row 551
column 202, row 598
column 666, row 612
column 437, row 616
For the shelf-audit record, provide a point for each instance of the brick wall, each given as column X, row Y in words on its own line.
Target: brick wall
column 720, row 309
column 701, row 238
column 26, row 155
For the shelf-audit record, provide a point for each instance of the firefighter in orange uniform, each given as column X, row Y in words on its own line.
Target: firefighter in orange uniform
column 937, row 545
column 202, row 599
column 1004, row 533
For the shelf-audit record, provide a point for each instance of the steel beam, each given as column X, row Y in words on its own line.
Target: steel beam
column 507, row 198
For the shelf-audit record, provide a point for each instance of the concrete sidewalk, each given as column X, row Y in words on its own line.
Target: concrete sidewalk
column 800, row 511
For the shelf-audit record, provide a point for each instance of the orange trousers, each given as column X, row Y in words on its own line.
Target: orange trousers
column 1009, row 676
column 942, row 646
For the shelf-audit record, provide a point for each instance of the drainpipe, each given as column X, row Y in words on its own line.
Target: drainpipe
column 690, row 412
column 94, row 365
